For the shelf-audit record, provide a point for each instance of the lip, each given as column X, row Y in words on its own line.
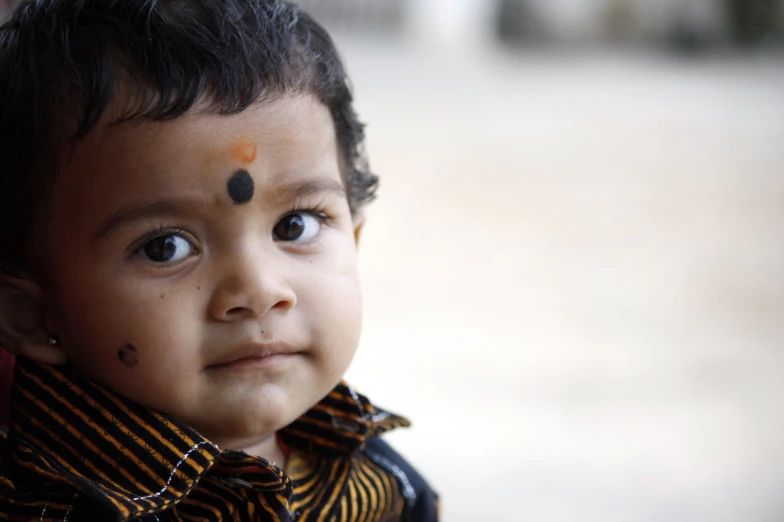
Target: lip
column 256, row 355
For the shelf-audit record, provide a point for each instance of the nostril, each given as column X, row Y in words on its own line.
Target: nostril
column 284, row 305
column 238, row 311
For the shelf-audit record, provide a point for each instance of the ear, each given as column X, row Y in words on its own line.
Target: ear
column 359, row 222
column 23, row 328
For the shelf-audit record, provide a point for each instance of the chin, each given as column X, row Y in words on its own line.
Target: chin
column 254, row 419
column 238, row 433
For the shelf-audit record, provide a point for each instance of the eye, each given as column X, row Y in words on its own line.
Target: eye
column 297, row 226
column 166, row 249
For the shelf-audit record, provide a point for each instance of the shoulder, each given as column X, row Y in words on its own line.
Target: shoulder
column 422, row 500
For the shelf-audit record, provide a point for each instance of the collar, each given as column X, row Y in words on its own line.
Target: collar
column 340, row 423
column 138, row 461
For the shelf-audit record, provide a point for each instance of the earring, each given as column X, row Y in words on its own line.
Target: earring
column 53, row 340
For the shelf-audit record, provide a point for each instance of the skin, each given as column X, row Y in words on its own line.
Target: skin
column 235, row 283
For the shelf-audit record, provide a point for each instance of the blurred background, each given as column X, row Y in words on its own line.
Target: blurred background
column 574, row 272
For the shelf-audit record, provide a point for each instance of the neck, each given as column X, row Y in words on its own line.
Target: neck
column 266, row 448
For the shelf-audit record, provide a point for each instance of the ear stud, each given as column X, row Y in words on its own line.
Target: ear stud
column 53, row 340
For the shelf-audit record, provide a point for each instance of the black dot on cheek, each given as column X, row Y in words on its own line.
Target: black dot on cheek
column 128, row 356
column 240, row 187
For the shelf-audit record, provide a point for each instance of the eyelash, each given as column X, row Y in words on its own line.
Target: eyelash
column 156, row 232
column 320, row 211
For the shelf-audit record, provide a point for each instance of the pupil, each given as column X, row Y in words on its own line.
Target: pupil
column 160, row 249
column 290, row 227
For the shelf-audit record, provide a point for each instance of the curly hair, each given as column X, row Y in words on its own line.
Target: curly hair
column 63, row 61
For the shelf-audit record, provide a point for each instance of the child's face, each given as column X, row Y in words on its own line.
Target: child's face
column 174, row 278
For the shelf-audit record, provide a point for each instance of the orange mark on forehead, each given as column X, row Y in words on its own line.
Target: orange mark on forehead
column 245, row 152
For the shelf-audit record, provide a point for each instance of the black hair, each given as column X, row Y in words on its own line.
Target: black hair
column 63, row 61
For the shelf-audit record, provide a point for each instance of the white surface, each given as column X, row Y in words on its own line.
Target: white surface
column 462, row 24
column 574, row 282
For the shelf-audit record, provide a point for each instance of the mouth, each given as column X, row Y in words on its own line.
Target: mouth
column 256, row 355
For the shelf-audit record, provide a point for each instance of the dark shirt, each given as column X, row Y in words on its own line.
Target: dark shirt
column 6, row 377
column 77, row 452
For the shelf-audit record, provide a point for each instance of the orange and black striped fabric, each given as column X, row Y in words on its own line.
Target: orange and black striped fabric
column 77, row 452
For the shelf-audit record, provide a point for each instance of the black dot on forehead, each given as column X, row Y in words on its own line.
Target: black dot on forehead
column 240, row 187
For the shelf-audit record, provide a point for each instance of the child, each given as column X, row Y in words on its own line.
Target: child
column 181, row 201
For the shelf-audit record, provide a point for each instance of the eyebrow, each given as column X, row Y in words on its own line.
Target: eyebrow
column 294, row 190
column 278, row 192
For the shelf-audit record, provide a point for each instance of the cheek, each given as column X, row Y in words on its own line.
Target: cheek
column 335, row 311
column 341, row 312
column 136, row 344
column 100, row 319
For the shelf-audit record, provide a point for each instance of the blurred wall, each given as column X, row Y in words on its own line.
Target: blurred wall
column 469, row 24
column 569, row 20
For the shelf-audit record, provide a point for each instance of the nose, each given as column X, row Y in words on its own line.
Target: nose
column 251, row 288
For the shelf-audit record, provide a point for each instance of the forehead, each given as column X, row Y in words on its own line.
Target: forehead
column 198, row 152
